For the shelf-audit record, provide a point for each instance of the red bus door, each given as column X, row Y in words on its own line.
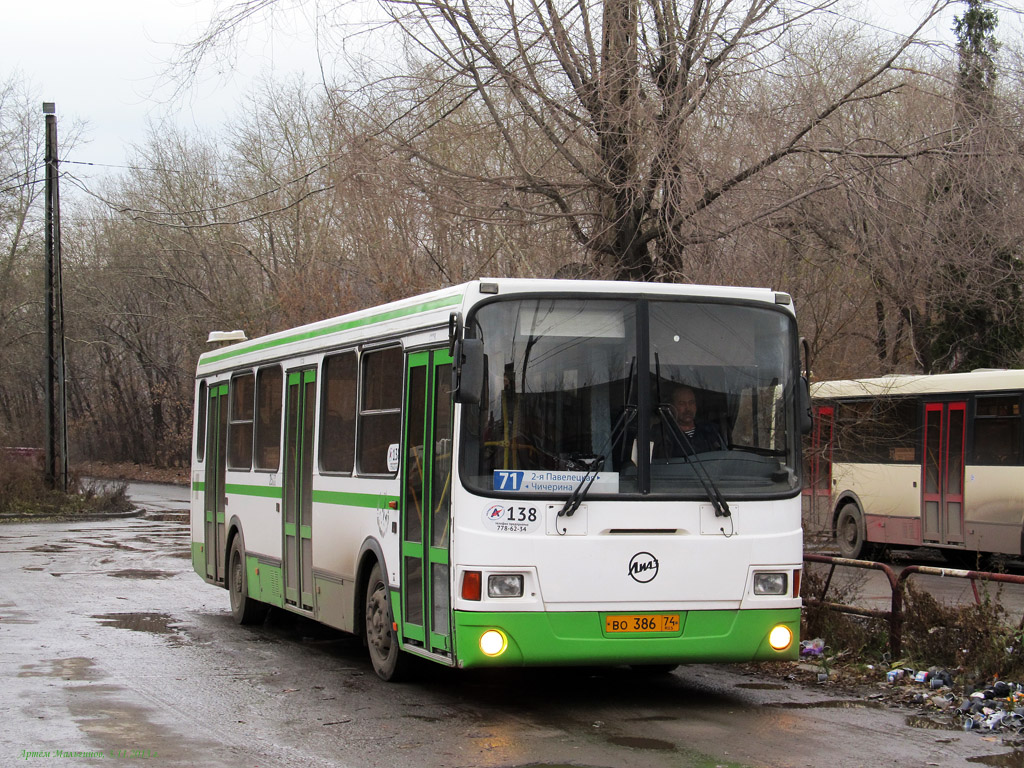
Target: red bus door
column 942, row 473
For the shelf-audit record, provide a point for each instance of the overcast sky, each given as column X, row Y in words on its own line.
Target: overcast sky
column 100, row 61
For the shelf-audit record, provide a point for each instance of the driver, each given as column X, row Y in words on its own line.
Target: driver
column 685, row 430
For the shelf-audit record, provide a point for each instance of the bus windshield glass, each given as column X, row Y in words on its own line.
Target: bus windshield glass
column 570, row 392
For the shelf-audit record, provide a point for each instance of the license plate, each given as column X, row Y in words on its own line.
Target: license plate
column 642, row 622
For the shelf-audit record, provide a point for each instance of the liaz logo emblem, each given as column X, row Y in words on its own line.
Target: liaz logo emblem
column 643, row 567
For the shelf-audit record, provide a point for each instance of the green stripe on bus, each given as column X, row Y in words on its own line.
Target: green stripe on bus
column 198, row 485
column 383, row 317
column 552, row 638
column 369, row 500
column 264, row 491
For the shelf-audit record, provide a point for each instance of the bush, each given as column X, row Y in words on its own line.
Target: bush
column 24, row 494
column 858, row 638
column 974, row 638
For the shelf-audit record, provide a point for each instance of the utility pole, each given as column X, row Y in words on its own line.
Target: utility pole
column 56, row 467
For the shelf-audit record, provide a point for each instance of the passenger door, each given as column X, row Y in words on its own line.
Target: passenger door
column 942, row 467
column 213, row 489
column 297, row 487
column 425, row 503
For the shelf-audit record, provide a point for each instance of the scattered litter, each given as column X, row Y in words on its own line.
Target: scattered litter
column 814, row 647
column 996, row 708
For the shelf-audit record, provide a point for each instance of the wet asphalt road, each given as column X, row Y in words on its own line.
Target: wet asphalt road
column 110, row 644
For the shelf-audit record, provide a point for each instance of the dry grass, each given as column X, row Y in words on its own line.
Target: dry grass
column 24, row 494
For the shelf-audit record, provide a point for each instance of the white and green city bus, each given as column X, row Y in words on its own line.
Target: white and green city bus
column 461, row 476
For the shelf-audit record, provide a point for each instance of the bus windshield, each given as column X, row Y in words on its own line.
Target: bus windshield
column 655, row 396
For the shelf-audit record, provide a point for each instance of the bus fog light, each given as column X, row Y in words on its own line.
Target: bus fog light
column 505, row 585
column 770, row 583
column 493, row 642
column 780, row 638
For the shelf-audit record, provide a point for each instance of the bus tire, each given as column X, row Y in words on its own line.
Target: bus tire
column 389, row 662
column 851, row 533
column 244, row 609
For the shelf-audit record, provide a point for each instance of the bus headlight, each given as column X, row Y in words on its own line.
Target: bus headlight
column 505, row 585
column 770, row 583
column 780, row 638
column 493, row 642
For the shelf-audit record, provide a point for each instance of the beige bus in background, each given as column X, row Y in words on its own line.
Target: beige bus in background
column 907, row 461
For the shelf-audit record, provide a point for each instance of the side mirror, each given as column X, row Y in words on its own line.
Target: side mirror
column 454, row 331
column 468, row 371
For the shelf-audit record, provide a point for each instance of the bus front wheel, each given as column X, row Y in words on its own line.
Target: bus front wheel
column 244, row 609
column 851, row 534
column 389, row 662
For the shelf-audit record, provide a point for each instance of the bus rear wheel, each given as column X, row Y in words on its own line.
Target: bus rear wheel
column 389, row 662
column 244, row 609
column 851, row 534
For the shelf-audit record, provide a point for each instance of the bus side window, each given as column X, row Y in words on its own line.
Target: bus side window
column 240, row 423
column 201, row 423
column 997, row 431
column 380, row 415
column 269, row 393
column 338, row 427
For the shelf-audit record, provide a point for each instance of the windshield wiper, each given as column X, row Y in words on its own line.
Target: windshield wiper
column 581, row 490
column 710, row 489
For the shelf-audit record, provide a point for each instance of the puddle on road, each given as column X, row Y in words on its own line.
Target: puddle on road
column 48, row 548
column 638, row 742
column 74, row 668
column 930, row 723
column 1013, row 759
column 109, row 545
column 140, row 573
column 181, row 516
column 154, row 623
column 10, row 614
column 827, row 704
column 109, row 721
column 763, row 686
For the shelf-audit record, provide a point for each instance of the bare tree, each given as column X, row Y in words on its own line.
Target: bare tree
column 610, row 114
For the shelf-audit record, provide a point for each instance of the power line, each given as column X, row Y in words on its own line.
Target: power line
column 142, row 215
column 19, row 174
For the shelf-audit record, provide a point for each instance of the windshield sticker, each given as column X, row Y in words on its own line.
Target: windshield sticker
column 552, row 481
column 512, row 518
column 394, row 454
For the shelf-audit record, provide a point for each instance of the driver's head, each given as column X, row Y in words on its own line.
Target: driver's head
column 684, row 407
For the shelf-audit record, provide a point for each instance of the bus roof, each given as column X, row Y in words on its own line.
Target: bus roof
column 431, row 310
column 921, row 384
